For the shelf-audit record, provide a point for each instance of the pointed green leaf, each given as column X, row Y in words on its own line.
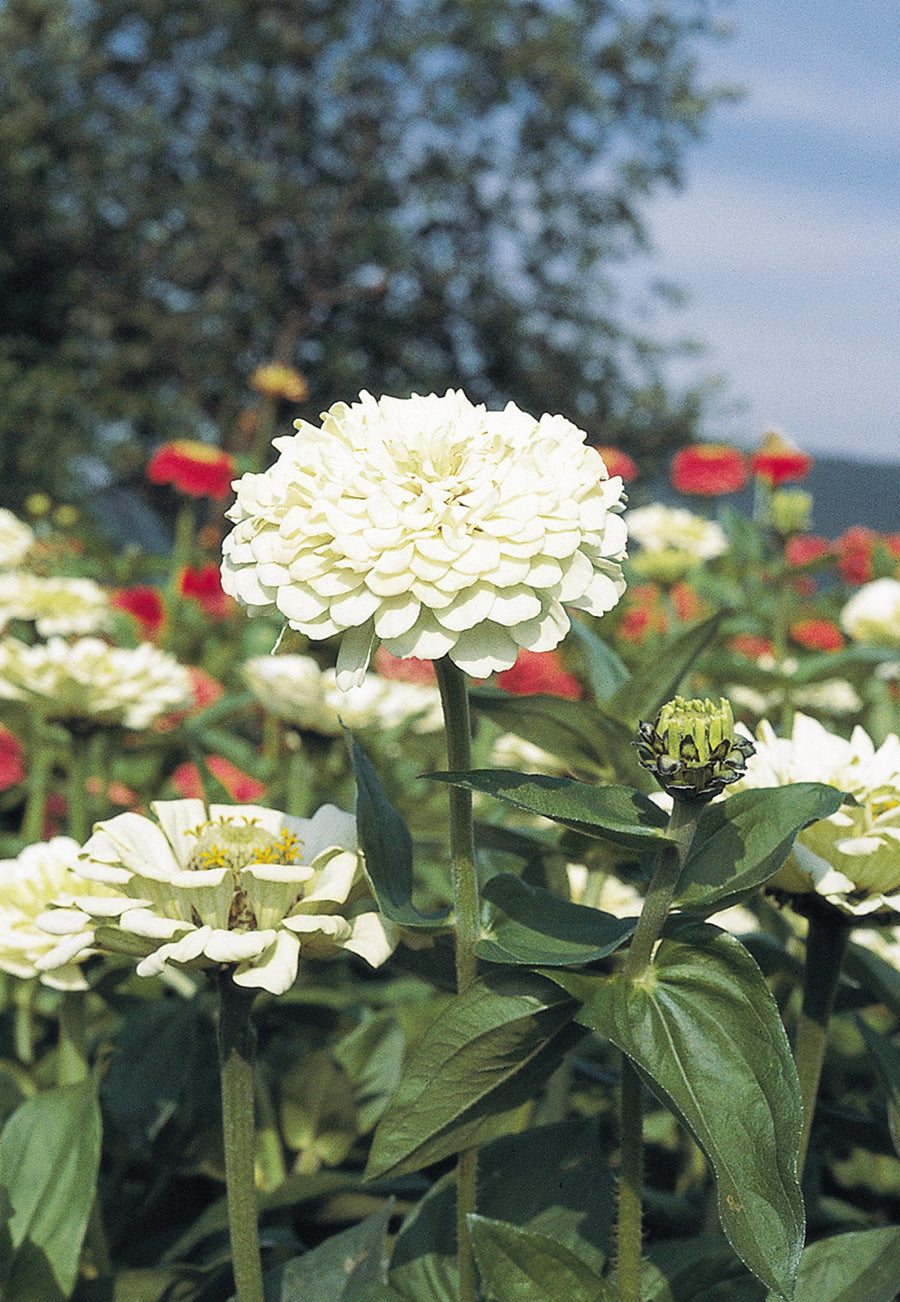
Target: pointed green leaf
column 530, row 925
column 340, row 1267
column 702, row 1027
column 863, row 1266
column 644, row 695
column 742, row 841
column 698, row 1270
column 150, row 1067
column 485, row 1054
column 387, row 845
column 616, row 814
column 518, row 1265
column 49, row 1156
column 876, row 975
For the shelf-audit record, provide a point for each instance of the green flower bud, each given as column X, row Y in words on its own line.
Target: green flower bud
column 790, row 511
column 692, row 749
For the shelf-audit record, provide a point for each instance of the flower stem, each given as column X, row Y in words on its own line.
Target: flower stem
column 455, row 703
column 826, row 944
column 43, row 753
column 682, row 825
column 72, row 1060
column 236, row 1051
column 76, row 787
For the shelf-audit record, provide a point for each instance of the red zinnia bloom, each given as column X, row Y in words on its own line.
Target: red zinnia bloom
column 410, row 670
column 204, row 689
column 778, row 462
column 619, row 463
column 855, row 552
column 194, row 468
column 12, row 760
column 239, row 785
column 817, row 635
column 752, row 645
column 203, row 584
column 643, row 616
column 539, row 671
column 708, row 469
column 688, row 604
column 144, row 604
column 802, row 548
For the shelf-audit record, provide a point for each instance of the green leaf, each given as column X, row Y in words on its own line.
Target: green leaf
column 863, row 1266
column 387, row 845
column 518, row 1265
column 742, row 841
column 605, row 672
column 698, row 1270
column 616, row 814
column 149, row 1069
column 876, row 975
column 702, row 1027
column 484, row 1055
column 530, row 925
column 49, row 1157
column 372, row 1056
column 341, row 1267
column 644, row 695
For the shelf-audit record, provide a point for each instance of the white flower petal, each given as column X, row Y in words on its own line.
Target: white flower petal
column 275, row 970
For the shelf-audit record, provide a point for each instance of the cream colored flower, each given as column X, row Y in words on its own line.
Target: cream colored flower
column 673, row 541
column 432, row 525
column 295, row 689
column 29, row 884
column 873, row 613
column 90, row 681
column 56, row 606
column 239, row 885
column 852, row 858
column 833, row 696
column 16, row 539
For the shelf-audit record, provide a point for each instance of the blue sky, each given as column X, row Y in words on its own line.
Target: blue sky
column 786, row 236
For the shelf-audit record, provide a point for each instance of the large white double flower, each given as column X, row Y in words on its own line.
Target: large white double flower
column 852, row 858
column 39, row 874
column 432, row 525
column 239, row 885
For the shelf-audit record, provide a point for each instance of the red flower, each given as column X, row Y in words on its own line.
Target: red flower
column 194, row 468
column 239, row 785
column 145, row 605
column 539, row 671
column 855, row 553
column 779, row 462
column 203, row 584
column 752, row 645
column 708, row 469
column 803, row 548
column 205, row 690
column 409, row 670
column 12, row 760
column 688, row 605
column 619, row 463
column 817, row 635
column 643, row 616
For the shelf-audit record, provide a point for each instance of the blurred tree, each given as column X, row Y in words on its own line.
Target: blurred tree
column 389, row 194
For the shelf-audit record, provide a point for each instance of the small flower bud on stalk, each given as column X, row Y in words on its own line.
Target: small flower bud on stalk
column 692, row 749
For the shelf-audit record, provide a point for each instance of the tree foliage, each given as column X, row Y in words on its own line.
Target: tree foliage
column 394, row 194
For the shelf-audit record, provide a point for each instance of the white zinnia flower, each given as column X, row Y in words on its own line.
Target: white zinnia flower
column 873, row 613
column 658, row 528
column 432, row 525
column 16, row 539
column 295, row 689
column 89, row 680
column 56, row 606
column 29, row 884
column 852, row 858
column 240, row 885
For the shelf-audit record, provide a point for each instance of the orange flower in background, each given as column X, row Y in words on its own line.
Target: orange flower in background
column 240, row 786
column 194, row 468
column 409, row 670
column 619, row 463
column 752, row 645
column 778, row 461
column 708, row 469
column 817, row 635
column 539, row 671
column 275, row 380
column 203, row 584
column 12, row 760
column 145, row 605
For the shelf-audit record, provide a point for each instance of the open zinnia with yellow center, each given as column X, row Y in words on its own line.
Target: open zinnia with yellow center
column 244, row 886
column 431, row 525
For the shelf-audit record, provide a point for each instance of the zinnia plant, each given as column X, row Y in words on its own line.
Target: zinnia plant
column 708, row 470
column 194, row 468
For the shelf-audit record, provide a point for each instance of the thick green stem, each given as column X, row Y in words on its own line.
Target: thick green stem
column 682, row 825
column 183, row 545
column 236, row 1051
column 455, row 703
column 72, row 1057
column 77, row 787
column 39, row 774
column 826, row 944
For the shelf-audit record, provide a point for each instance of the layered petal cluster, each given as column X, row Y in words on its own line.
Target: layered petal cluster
column 851, row 858
column 296, row 690
column 431, row 525
column 29, row 884
column 16, row 539
column 56, row 606
column 873, row 613
column 90, row 681
column 244, row 886
column 673, row 541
